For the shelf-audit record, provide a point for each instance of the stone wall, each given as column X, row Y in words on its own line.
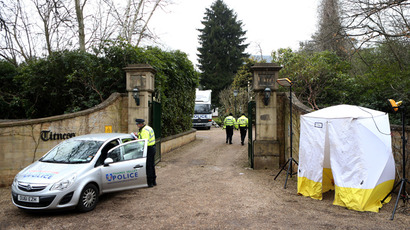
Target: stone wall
column 172, row 142
column 23, row 142
column 397, row 145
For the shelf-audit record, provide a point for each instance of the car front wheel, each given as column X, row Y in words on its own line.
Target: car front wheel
column 88, row 198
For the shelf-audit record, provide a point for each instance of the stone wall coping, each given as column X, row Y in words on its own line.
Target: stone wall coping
column 98, row 107
column 177, row 135
column 266, row 67
column 399, row 128
column 296, row 103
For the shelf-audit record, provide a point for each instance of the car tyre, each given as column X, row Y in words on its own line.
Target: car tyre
column 88, row 198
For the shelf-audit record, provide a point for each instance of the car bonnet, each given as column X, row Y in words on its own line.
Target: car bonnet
column 45, row 173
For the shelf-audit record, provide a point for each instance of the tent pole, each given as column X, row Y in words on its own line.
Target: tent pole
column 404, row 180
column 290, row 160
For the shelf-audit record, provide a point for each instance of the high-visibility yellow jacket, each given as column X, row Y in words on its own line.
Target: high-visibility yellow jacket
column 243, row 121
column 147, row 132
column 230, row 121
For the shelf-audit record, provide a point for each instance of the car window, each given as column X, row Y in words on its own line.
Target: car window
column 128, row 151
column 134, row 150
column 73, row 151
column 125, row 140
column 104, row 151
column 116, row 155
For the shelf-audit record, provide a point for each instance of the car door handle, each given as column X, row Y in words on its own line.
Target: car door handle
column 138, row 166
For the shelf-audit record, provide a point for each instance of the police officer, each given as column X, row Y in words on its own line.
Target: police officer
column 229, row 124
column 146, row 132
column 243, row 126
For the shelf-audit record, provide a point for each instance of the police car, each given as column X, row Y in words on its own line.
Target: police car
column 75, row 172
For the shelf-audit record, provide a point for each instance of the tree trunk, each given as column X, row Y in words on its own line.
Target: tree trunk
column 80, row 19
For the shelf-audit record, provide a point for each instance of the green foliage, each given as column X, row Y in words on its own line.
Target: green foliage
column 70, row 81
column 381, row 75
column 9, row 92
column 320, row 79
column 372, row 76
column 66, row 81
column 218, row 120
column 176, row 81
column 222, row 48
column 244, row 74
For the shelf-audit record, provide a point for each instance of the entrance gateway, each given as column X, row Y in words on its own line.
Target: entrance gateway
column 263, row 151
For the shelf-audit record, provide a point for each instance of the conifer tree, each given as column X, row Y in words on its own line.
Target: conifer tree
column 222, row 47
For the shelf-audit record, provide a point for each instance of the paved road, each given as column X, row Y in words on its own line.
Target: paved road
column 207, row 185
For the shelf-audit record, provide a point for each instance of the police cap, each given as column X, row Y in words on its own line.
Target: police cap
column 140, row 121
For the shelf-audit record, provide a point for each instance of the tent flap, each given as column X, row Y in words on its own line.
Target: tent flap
column 363, row 199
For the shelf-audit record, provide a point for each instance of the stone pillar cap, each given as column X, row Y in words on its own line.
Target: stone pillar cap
column 266, row 67
column 140, row 67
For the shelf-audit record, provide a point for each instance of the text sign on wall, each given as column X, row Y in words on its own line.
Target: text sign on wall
column 47, row 135
column 140, row 81
column 266, row 80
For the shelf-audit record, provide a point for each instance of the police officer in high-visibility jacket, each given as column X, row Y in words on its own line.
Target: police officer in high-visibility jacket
column 146, row 132
column 243, row 126
column 229, row 124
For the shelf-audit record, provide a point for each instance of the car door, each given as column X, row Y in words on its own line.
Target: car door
column 127, row 169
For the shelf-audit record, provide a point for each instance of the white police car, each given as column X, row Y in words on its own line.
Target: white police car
column 75, row 172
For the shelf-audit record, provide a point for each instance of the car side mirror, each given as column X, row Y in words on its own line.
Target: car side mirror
column 108, row 161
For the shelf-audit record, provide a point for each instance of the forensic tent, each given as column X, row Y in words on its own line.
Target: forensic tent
column 347, row 149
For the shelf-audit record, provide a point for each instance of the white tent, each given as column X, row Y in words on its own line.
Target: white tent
column 347, row 149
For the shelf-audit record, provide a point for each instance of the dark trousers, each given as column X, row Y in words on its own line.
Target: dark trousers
column 229, row 134
column 151, row 176
column 243, row 133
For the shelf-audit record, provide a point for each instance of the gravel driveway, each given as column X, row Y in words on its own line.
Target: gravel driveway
column 208, row 185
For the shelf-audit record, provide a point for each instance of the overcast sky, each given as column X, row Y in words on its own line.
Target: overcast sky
column 272, row 24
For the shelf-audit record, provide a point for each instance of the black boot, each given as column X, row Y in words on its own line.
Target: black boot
column 150, row 183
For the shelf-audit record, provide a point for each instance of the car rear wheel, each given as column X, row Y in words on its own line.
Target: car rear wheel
column 88, row 198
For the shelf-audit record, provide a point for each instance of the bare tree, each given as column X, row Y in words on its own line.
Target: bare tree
column 62, row 24
column 371, row 20
column 18, row 39
column 330, row 35
column 142, row 33
column 102, row 26
column 51, row 19
column 231, row 104
column 134, row 17
column 79, row 10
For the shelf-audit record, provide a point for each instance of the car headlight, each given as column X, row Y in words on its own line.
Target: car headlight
column 15, row 181
column 64, row 183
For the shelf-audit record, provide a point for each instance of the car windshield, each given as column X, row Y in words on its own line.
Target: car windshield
column 203, row 108
column 73, row 151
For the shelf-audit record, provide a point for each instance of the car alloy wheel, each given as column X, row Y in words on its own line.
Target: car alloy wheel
column 88, row 198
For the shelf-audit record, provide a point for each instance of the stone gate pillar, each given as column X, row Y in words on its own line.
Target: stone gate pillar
column 140, row 79
column 266, row 144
